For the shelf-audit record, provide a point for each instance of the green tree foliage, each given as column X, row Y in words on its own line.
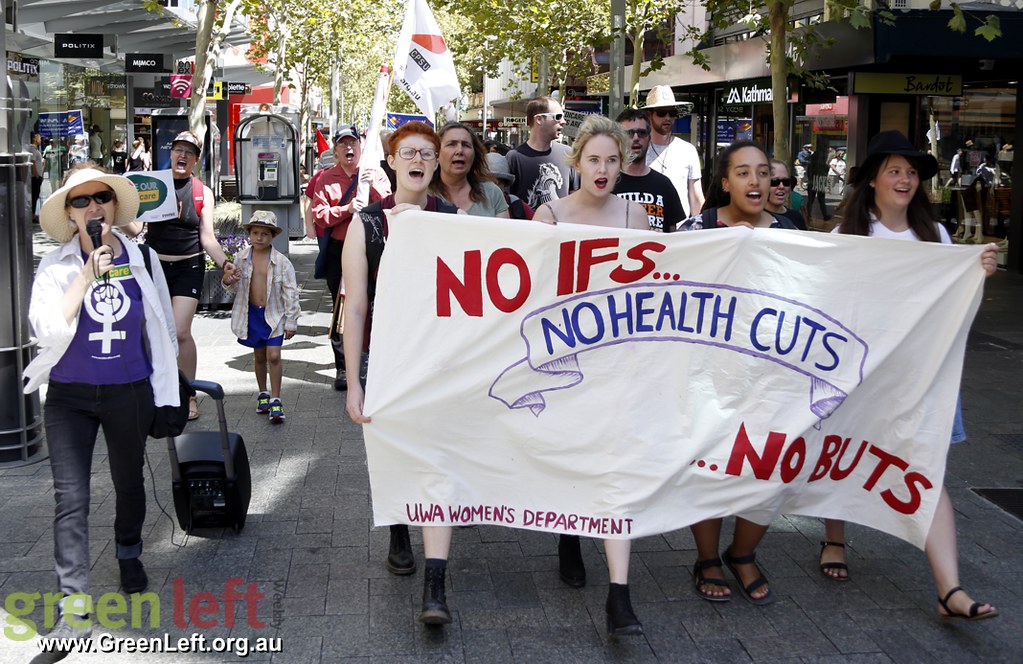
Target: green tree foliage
column 566, row 34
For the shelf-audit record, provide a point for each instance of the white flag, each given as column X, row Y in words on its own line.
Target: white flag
column 423, row 65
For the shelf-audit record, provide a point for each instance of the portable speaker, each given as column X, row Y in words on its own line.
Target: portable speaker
column 210, row 474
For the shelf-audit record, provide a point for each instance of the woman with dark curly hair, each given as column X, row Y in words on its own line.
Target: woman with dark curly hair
column 738, row 196
column 464, row 177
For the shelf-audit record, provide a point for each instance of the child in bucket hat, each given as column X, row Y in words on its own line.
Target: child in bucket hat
column 266, row 308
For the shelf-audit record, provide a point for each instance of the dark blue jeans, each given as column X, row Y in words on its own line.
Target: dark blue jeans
column 73, row 414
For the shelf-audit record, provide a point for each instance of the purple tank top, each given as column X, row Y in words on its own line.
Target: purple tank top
column 108, row 347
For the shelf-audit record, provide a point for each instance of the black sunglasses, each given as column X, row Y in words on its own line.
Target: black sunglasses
column 666, row 112
column 100, row 197
column 788, row 182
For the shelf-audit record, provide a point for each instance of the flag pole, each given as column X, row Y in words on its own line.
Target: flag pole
column 373, row 152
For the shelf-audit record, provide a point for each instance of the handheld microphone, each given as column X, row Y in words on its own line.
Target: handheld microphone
column 94, row 227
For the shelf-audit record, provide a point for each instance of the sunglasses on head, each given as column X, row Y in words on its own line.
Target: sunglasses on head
column 666, row 113
column 638, row 132
column 788, row 182
column 558, row 117
column 100, row 197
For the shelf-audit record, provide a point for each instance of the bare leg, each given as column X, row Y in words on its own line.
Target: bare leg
column 437, row 541
column 943, row 554
column 834, row 531
column 184, row 311
column 744, row 542
column 618, row 552
column 259, row 362
column 708, row 537
column 273, row 359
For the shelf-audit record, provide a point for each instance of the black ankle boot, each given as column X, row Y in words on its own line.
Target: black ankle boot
column 570, row 561
column 621, row 619
column 435, row 605
column 400, row 560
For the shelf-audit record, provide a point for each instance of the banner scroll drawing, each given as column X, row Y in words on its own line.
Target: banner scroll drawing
column 743, row 320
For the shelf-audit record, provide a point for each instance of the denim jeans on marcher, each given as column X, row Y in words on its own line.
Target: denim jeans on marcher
column 73, row 414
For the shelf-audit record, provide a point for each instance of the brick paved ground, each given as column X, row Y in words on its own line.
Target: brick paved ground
column 309, row 537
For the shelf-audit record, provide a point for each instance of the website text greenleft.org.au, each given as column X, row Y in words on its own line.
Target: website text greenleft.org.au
column 196, row 609
column 196, row 643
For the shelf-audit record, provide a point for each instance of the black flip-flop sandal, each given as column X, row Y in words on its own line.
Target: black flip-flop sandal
column 700, row 580
column 838, row 566
column 972, row 614
column 760, row 581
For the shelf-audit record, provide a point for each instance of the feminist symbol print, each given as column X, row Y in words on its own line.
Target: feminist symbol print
column 107, row 304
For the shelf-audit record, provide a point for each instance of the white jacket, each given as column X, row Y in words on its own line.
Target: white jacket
column 57, row 270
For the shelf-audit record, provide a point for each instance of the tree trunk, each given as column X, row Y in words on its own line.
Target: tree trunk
column 778, row 11
column 279, row 63
column 209, row 35
column 637, row 66
column 203, row 69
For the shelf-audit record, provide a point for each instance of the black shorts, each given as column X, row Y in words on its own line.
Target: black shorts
column 185, row 277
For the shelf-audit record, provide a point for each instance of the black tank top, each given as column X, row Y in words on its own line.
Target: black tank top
column 177, row 237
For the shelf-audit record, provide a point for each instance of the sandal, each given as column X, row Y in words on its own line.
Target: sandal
column 973, row 614
column 758, row 582
column 833, row 566
column 193, row 409
column 700, row 580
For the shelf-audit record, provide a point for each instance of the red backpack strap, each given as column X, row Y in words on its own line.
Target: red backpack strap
column 198, row 194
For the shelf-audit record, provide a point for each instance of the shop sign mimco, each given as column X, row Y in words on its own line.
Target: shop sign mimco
column 748, row 94
column 150, row 63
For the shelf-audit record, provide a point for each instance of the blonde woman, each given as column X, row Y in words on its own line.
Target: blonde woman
column 598, row 156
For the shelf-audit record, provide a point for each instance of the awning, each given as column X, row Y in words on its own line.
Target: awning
column 127, row 25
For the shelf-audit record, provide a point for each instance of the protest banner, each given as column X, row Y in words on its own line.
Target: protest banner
column 616, row 383
column 157, row 201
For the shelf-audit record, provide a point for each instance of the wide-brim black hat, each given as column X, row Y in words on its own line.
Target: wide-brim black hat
column 893, row 142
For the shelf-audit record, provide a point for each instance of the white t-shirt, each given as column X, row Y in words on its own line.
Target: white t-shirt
column 877, row 229
column 680, row 162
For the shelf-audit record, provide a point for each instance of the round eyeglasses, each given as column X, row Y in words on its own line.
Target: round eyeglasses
column 428, row 154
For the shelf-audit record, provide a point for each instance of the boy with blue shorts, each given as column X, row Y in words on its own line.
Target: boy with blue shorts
column 266, row 308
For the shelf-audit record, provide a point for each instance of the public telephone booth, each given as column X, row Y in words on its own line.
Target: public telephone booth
column 168, row 123
column 266, row 164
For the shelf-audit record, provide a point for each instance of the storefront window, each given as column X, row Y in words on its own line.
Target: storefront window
column 822, row 171
column 980, row 127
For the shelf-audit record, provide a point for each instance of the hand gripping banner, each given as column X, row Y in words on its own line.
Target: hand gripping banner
column 616, row 383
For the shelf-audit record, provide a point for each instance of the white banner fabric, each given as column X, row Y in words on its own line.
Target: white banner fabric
column 616, row 383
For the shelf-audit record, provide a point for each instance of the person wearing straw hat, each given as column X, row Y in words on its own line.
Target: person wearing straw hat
column 671, row 155
column 105, row 327
column 266, row 309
